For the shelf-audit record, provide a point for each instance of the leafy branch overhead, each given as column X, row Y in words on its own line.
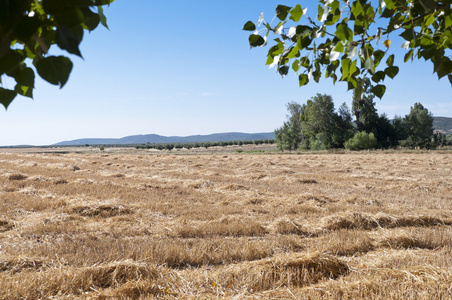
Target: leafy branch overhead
column 348, row 40
column 29, row 28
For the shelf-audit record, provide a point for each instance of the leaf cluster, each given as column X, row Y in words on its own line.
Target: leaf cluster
column 342, row 41
column 29, row 28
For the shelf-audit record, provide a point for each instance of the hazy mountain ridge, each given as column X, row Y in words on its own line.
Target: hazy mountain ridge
column 159, row 139
column 443, row 124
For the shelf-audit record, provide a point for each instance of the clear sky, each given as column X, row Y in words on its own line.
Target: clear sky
column 184, row 68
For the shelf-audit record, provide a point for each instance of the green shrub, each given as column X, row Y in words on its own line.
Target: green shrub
column 361, row 141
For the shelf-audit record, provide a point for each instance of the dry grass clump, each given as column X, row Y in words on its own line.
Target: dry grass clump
column 288, row 226
column 5, row 225
column 346, row 242
column 413, row 284
column 17, row 177
column 306, row 181
column 236, row 187
column 103, row 211
column 284, row 271
column 357, row 220
column 60, row 181
column 20, row 264
column 67, row 281
column 223, row 227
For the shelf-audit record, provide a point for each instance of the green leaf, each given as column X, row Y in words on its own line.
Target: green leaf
column 392, row 71
column 91, row 21
column 352, row 84
column 334, row 17
column 282, row 11
column 101, row 2
column 357, row 9
column 450, row 78
column 67, row 40
column 387, row 13
column 256, row 40
column 443, row 68
column 353, row 68
column 378, row 76
column 339, row 47
column 305, row 62
column 6, row 97
column 407, row 34
column 303, row 79
column 294, row 52
column 296, row 13
column 369, row 65
column 345, row 66
column 303, row 30
column 316, row 75
column 358, row 27
column 320, row 11
column 24, row 90
column 10, row 61
column 249, row 26
column 352, row 51
column 390, row 61
column 296, row 65
column 26, row 28
column 283, row 70
column 343, row 32
column 378, row 55
column 379, row 90
column 428, row 20
column 55, row 69
column 334, row 76
column 26, row 77
column 447, row 21
column 103, row 18
column 70, row 17
column 408, row 55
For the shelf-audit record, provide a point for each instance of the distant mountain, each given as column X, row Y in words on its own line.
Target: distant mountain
column 443, row 124
column 158, row 139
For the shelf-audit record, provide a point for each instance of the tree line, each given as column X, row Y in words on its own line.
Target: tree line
column 317, row 125
column 171, row 146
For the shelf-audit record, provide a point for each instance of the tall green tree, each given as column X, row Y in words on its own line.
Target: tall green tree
column 28, row 30
column 418, row 127
column 321, row 126
column 367, row 118
column 346, row 40
column 289, row 136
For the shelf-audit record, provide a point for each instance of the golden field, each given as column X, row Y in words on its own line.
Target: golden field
column 143, row 225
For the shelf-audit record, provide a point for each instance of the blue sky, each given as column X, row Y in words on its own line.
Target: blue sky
column 184, row 68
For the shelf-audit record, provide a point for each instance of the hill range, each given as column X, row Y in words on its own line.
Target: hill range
column 159, row 139
column 441, row 124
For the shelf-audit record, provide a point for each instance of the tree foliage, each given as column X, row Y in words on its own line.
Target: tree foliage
column 321, row 125
column 289, row 136
column 317, row 125
column 361, row 141
column 367, row 118
column 347, row 40
column 417, row 127
column 29, row 28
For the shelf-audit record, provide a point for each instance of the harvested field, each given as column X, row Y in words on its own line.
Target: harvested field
column 143, row 225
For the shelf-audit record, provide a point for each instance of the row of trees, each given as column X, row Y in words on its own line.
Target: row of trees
column 170, row 146
column 317, row 125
